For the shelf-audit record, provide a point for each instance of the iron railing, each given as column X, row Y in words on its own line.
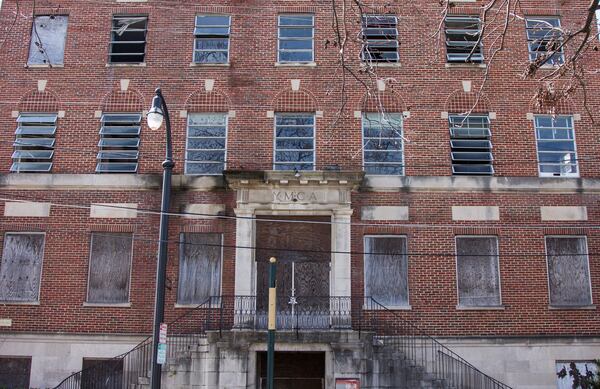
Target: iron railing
column 133, row 367
column 413, row 349
column 407, row 347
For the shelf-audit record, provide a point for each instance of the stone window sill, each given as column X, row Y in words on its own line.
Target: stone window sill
column 208, row 65
column 391, row 308
column 190, row 306
column 126, row 65
column 19, row 303
column 44, row 66
column 382, row 65
column 465, row 66
column 296, row 64
column 571, row 307
column 107, row 305
column 490, row 308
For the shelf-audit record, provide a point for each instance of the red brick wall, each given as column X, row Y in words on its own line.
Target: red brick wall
column 251, row 86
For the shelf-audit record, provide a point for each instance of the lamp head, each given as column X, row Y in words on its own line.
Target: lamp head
column 155, row 115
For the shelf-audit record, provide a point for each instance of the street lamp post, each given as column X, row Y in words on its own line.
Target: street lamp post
column 159, row 112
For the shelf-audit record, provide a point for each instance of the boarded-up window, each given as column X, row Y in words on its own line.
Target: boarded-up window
column 15, row 372
column 21, row 266
column 568, row 271
column 477, row 271
column 199, row 268
column 110, row 265
column 105, row 373
column 386, row 270
column 48, row 36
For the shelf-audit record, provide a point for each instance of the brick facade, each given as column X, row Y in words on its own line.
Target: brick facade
column 248, row 89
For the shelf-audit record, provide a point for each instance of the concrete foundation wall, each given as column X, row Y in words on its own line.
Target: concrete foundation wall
column 524, row 363
column 55, row 357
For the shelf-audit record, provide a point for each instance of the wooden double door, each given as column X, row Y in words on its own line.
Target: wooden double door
column 303, row 270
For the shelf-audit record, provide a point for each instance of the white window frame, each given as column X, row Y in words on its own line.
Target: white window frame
column 362, row 136
column 211, row 303
column 312, row 38
column 52, row 149
column 548, row 62
column 39, row 292
column 314, row 149
column 365, row 44
column 112, row 41
column 537, row 150
column 587, row 256
column 187, row 135
column 87, row 292
column 475, row 307
column 476, row 56
column 194, row 50
column 407, row 306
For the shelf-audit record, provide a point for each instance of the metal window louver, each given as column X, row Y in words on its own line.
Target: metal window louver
column 471, row 148
column 211, row 43
column 380, row 38
column 128, row 39
column 34, row 142
column 462, row 39
column 119, row 143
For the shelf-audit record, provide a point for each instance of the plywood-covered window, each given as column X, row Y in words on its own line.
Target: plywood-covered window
column 386, row 270
column 15, row 372
column 477, row 271
column 199, row 267
column 110, row 268
column 568, row 271
column 21, row 267
column 48, row 37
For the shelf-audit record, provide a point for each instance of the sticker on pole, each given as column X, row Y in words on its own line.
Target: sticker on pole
column 161, row 355
column 162, row 334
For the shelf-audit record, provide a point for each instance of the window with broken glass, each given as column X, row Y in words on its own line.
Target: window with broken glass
column 383, row 145
column 478, row 277
column 206, row 143
column 110, row 268
column 556, row 148
column 21, row 267
column 199, row 267
column 544, row 40
column 119, row 143
column 294, row 141
column 34, row 142
column 48, row 37
column 386, row 270
column 470, row 144
column 128, row 39
column 463, row 39
column 380, row 38
column 211, row 43
column 568, row 271
column 296, row 38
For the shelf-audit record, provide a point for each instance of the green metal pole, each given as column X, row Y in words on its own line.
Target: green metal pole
column 271, row 327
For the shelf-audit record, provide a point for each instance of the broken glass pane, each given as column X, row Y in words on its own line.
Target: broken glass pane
column 48, row 37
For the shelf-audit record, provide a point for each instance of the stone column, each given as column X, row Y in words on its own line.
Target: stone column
column 340, row 262
column 244, row 257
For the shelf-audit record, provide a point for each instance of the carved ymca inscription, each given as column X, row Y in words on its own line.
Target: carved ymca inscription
column 285, row 196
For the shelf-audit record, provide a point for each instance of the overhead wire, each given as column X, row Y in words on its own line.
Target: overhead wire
column 25, row 199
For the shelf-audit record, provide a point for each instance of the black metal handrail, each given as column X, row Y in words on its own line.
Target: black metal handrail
column 404, row 338
column 403, row 342
column 131, row 367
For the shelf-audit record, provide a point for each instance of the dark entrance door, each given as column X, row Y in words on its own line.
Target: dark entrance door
column 293, row 370
column 303, row 266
